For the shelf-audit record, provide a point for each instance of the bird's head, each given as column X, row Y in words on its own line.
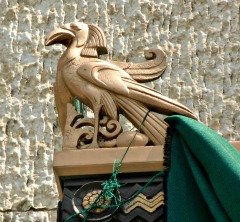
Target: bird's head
column 89, row 37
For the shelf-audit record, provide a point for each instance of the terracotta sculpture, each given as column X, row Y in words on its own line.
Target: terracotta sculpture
column 107, row 87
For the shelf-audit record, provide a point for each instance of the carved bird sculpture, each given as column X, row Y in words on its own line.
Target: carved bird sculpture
column 107, row 87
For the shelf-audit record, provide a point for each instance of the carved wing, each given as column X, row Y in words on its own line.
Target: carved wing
column 146, row 71
column 120, row 83
column 105, row 75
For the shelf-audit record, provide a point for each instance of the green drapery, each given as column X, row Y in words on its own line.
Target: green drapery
column 204, row 177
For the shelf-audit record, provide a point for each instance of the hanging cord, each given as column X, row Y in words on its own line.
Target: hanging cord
column 110, row 187
column 113, row 184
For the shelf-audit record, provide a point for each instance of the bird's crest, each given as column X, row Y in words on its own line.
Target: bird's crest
column 96, row 43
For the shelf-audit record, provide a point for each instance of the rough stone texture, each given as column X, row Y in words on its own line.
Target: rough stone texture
column 201, row 39
column 28, row 216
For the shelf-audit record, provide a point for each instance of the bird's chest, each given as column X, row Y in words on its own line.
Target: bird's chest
column 61, row 90
column 69, row 74
column 69, row 71
column 74, row 83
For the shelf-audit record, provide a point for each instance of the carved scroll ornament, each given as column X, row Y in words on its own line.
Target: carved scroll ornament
column 109, row 88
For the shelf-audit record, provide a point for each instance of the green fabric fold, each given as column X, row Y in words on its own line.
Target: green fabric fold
column 204, row 177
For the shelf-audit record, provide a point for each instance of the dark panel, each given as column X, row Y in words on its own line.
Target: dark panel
column 133, row 182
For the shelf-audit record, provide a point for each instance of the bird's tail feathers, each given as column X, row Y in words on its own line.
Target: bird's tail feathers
column 154, row 127
column 156, row 100
column 109, row 106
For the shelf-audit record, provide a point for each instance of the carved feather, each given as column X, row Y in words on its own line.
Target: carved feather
column 114, row 80
column 146, row 71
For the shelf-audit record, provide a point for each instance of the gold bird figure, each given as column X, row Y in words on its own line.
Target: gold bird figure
column 106, row 86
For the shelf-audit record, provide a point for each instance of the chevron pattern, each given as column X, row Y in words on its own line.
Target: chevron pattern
column 149, row 205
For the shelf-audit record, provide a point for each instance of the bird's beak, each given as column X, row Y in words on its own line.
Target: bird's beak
column 60, row 35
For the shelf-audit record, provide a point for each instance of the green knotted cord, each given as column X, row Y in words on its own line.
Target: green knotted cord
column 110, row 187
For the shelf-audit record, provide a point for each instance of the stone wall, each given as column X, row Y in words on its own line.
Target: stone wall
column 201, row 39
